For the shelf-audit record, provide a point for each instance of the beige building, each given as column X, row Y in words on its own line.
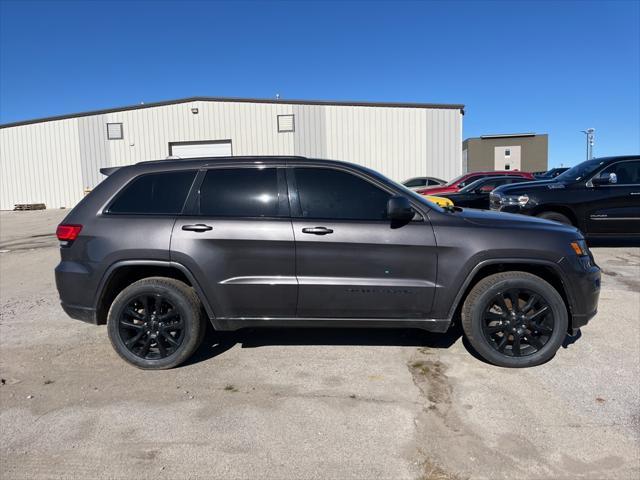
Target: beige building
column 527, row 152
column 53, row 160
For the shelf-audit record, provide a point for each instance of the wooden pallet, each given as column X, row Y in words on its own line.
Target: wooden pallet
column 29, row 206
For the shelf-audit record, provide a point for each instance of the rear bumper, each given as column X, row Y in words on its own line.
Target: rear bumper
column 75, row 286
column 80, row 313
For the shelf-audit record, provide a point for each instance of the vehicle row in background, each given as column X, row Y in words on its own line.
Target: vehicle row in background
column 476, row 194
column 601, row 197
column 417, row 183
column 468, row 178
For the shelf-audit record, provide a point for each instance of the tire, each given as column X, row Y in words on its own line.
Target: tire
column 156, row 323
column 556, row 217
column 491, row 329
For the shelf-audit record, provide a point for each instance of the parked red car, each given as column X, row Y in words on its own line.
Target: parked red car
column 465, row 179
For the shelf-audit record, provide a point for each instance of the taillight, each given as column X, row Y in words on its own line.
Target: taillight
column 68, row 233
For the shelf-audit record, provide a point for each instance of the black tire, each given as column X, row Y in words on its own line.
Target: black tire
column 156, row 323
column 492, row 329
column 556, row 217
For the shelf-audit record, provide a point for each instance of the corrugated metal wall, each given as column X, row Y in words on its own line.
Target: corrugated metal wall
column 52, row 162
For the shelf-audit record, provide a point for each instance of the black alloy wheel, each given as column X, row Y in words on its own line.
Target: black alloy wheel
column 156, row 323
column 515, row 319
column 151, row 327
column 518, row 322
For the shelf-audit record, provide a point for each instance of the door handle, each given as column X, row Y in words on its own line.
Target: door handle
column 317, row 230
column 635, row 193
column 198, row 227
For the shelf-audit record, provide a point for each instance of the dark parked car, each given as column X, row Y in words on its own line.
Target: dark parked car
column 476, row 194
column 421, row 182
column 553, row 173
column 158, row 248
column 601, row 197
column 465, row 179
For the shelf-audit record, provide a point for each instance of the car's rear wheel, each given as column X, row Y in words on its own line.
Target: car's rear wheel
column 556, row 217
column 514, row 319
column 156, row 323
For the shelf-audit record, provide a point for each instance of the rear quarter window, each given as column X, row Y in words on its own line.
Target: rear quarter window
column 154, row 194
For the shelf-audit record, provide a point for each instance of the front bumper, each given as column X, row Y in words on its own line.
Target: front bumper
column 508, row 208
column 582, row 284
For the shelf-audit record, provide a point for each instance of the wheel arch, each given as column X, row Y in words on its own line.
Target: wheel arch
column 564, row 210
column 123, row 273
column 546, row 270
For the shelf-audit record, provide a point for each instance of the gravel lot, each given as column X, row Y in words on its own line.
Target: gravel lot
column 307, row 403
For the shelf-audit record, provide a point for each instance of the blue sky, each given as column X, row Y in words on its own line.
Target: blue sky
column 547, row 67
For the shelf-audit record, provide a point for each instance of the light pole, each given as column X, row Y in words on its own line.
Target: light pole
column 591, row 139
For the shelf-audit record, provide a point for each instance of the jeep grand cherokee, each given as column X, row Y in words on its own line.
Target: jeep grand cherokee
column 159, row 248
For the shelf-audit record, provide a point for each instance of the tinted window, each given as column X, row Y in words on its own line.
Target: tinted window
column 416, row 182
column 483, row 183
column 580, row 171
column 471, row 179
column 326, row 193
column 455, row 180
column 515, row 180
column 240, row 192
column 156, row 193
column 491, row 184
column 628, row 173
column 496, row 182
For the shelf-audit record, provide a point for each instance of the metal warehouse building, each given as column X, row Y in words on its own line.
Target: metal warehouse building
column 54, row 160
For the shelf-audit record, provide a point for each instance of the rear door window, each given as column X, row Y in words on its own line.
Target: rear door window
column 243, row 192
column 332, row 194
column 154, row 194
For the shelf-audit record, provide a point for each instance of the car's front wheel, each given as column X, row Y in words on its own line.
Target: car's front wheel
column 156, row 323
column 514, row 319
column 556, row 217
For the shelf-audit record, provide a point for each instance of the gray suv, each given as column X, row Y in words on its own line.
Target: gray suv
column 159, row 247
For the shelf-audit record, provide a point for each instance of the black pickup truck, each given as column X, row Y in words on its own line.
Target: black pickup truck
column 601, row 197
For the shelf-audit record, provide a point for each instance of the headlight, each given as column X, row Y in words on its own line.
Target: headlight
column 521, row 200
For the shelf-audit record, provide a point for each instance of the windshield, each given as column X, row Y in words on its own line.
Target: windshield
column 580, row 171
column 473, row 185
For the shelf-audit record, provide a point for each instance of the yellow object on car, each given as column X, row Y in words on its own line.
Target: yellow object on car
column 441, row 201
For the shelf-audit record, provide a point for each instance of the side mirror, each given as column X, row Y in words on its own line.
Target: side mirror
column 605, row 179
column 399, row 209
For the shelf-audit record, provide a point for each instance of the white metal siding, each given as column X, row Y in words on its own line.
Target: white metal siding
column 54, row 161
column 201, row 150
column 40, row 163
